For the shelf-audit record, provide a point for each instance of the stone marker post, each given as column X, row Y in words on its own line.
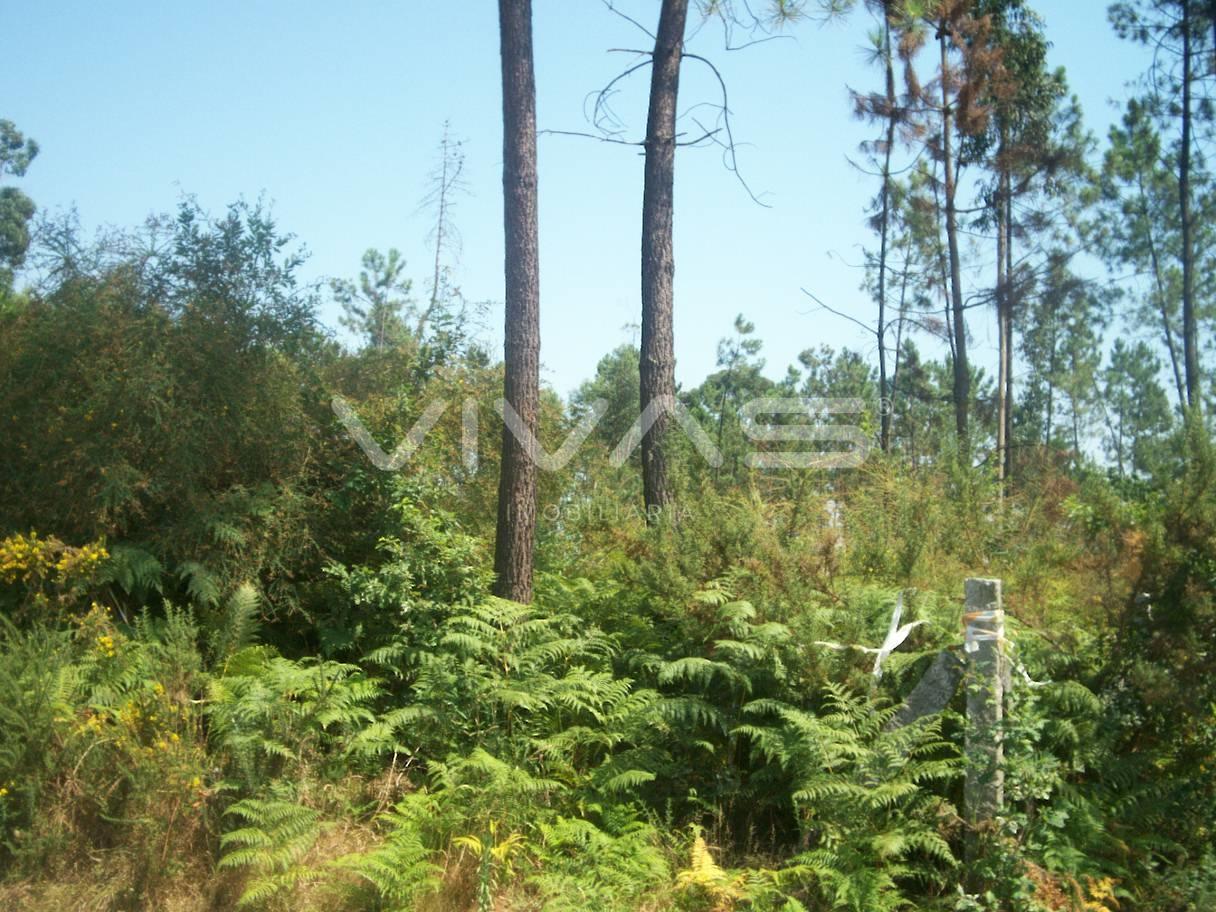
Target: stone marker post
column 983, row 791
column 934, row 691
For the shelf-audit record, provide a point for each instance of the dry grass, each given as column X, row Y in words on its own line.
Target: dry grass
column 108, row 887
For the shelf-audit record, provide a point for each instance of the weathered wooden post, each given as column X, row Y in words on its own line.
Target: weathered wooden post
column 983, row 791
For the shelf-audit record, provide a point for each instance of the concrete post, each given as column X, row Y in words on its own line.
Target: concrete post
column 984, row 788
column 933, row 692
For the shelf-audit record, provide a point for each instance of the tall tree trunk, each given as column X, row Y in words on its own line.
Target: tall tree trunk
column 657, row 373
column 1010, row 303
column 962, row 375
column 1119, row 442
column 943, row 263
column 516, row 530
column 1167, row 329
column 1076, row 432
column 886, row 389
column 899, row 338
column 1212, row 20
column 1190, row 329
column 1052, row 373
column 1002, row 305
column 450, row 166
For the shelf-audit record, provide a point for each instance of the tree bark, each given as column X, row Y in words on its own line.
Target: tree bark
column 657, row 370
column 1190, row 329
column 1052, row 373
column 1167, row 328
column 962, row 374
column 1010, row 303
column 886, row 389
column 1212, row 20
column 899, row 336
column 516, row 530
column 1002, row 313
column 943, row 264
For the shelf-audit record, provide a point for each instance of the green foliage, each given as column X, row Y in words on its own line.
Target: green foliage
column 616, row 383
column 180, row 421
column 101, row 724
column 234, row 652
column 270, row 716
column 36, row 684
column 864, row 798
column 237, row 626
column 398, row 868
column 272, row 839
column 375, row 309
column 582, row 865
column 424, row 567
column 16, row 209
column 520, row 683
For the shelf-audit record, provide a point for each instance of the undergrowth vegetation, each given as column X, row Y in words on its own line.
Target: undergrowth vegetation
column 240, row 667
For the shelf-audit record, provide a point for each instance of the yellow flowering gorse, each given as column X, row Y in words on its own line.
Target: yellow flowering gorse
column 51, row 571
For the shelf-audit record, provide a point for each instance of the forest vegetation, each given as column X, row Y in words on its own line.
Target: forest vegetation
column 244, row 666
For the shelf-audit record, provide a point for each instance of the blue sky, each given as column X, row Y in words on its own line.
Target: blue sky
column 334, row 113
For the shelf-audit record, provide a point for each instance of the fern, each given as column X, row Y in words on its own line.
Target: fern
column 135, row 570
column 399, row 868
column 728, row 656
column 629, row 780
column 585, row 866
column 864, row 797
column 237, row 625
column 271, row 844
column 505, row 676
column 704, row 877
column 277, row 712
column 202, row 585
column 37, row 686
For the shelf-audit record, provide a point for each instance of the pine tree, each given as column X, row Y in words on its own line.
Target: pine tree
column 951, row 109
column 658, row 379
column 377, row 307
column 1181, row 34
column 516, row 528
column 16, row 209
column 1135, row 407
column 1137, row 230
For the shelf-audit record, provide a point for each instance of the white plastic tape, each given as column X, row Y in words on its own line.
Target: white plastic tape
column 983, row 626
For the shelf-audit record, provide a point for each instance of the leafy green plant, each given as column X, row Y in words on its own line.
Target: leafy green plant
column 270, row 715
column 864, row 796
column 616, row 866
column 398, row 869
column 37, row 687
column 494, row 861
column 706, row 883
column 271, row 842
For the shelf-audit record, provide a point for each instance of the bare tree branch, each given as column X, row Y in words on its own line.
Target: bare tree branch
column 832, row 310
column 729, row 146
column 612, row 9
column 599, row 137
